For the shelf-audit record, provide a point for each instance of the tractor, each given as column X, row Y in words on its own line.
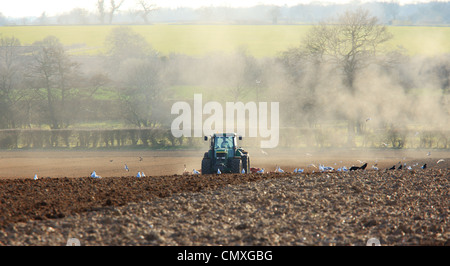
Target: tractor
column 224, row 155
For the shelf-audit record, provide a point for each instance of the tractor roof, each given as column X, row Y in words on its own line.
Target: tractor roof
column 224, row 134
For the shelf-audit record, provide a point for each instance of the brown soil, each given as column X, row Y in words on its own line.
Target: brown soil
column 64, row 186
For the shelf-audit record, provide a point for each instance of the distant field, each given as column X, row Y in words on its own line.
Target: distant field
column 260, row 40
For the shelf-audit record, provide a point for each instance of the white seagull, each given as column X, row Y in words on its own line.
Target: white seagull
column 279, row 170
column 299, row 170
column 94, row 175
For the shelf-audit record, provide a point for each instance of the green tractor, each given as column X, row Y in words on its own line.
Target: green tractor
column 225, row 156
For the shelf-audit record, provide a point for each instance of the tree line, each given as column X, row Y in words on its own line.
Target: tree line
column 339, row 77
column 146, row 12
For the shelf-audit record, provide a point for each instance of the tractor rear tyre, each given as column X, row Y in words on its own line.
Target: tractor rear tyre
column 246, row 163
column 206, row 166
column 236, row 166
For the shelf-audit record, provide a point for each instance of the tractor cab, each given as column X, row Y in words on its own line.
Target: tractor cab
column 224, row 145
column 224, row 155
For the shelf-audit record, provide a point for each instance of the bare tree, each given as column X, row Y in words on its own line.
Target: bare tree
column 346, row 47
column 243, row 74
column 96, row 81
column 146, row 9
column 143, row 93
column 101, row 10
column 137, row 71
column 275, row 13
column 123, row 44
column 53, row 71
column 10, row 80
column 350, row 44
column 113, row 9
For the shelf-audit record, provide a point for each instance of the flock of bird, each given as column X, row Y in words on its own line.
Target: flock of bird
column 94, row 174
column 321, row 168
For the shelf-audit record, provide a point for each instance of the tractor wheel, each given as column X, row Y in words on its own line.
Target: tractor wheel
column 246, row 163
column 236, row 166
column 206, row 166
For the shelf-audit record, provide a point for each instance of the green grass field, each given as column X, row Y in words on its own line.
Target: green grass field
column 259, row 40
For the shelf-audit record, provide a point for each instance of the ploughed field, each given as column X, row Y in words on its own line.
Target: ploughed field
column 167, row 207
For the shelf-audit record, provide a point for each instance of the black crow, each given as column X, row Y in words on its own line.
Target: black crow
column 424, row 166
column 392, row 168
column 363, row 166
column 353, row 168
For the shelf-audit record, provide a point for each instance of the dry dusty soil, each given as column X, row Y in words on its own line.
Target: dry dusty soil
column 398, row 207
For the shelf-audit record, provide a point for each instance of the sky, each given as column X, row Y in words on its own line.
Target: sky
column 23, row 8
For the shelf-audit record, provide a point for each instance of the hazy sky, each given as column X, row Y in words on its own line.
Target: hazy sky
column 20, row 8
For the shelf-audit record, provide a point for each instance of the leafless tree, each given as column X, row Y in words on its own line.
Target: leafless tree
column 101, row 10
column 53, row 71
column 275, row 13
column 11, row 67
column 242, row 74
column 345, row 46
column 113, row 9
column 123, row 44
column 136, row 70
column 350, row 44
column 143, row 92
column 146, row 9
column 96, row 81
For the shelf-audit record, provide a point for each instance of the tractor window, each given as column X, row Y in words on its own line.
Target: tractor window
column 224, row 142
